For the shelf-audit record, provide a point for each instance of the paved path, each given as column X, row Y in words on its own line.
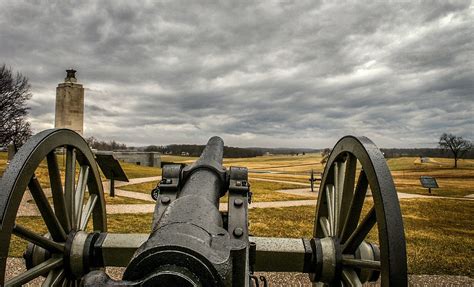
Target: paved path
column 282, row 181
column 137, row 180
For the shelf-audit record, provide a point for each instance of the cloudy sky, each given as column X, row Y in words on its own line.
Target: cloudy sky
column 257, row 73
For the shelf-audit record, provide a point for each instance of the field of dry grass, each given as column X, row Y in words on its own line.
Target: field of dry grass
column 406, row 171
column 453, row 182
column 439, row 233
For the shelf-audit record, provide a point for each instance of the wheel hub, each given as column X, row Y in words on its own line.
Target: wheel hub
column 76, row 254
column 329, row 260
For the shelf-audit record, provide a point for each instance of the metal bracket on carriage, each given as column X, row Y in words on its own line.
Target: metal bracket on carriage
column 167, row 188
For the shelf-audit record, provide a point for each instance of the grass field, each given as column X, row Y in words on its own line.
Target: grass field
column 108, row 200
column 406, row 171
column 439, row 233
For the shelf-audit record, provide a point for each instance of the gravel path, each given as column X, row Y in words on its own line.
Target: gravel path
column 15, row 266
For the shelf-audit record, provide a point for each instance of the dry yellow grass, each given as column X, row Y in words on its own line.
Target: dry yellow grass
column 137, row 171
column 406, row 171
column 439, row 233
column 144, row 187
column 454, row 182
column 3, row 162
column 108, row 200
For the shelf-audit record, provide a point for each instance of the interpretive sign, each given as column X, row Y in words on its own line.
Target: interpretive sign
column 111, row 168
column 428, row 182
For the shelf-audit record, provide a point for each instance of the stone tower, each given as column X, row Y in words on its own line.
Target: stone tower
column 70, row 104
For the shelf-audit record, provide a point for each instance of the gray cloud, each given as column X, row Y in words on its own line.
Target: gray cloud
column 276, row 73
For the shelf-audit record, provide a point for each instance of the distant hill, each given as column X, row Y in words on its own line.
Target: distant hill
column 234, row 152
column 196, row 150
column 424, row 152
column 229, row 152
column 284, row 150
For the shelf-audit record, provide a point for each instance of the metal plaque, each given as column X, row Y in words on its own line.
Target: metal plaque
column 110, row 166
column 428, row 182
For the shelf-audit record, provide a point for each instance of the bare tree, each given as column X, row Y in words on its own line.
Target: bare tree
column 325, row 155
column 14, row 92
column 457, row 145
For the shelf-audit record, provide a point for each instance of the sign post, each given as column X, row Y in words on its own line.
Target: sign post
column 312, row 179
column 111, row 168
column 428, row 182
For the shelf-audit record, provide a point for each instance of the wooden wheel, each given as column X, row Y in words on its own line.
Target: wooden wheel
column 356, row 193
column 77, row 196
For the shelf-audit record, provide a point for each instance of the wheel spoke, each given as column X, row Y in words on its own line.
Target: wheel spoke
column 325, row 227
column 54, row 278
column 80, row 190
column 57, row 191
column 337, row 195
column 347, row 189
column 350, row 278
column 334, row 206
column 70, row 175
column 360, row 233
column 361, row 263
column 52, row 222
column 34, row 272
column 355, row 209
column 330, row 202
column 87, row 211
column 37, row 239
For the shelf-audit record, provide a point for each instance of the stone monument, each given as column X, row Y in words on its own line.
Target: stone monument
column 70, row 104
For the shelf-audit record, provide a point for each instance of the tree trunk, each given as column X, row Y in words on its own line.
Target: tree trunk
column 455, row 162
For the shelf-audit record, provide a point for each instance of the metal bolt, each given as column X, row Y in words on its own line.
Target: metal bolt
column 165, row 200
column 238, row 232
column 238, row 202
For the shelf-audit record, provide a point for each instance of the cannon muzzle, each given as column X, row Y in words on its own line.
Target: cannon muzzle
column 188, row 244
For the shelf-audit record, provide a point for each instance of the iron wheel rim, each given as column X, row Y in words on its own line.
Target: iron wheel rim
column 20, row 175
column 374, row 169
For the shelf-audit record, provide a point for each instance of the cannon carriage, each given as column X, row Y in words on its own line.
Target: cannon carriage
column 192, row 243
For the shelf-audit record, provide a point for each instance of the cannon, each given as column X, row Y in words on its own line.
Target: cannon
column 191, row 242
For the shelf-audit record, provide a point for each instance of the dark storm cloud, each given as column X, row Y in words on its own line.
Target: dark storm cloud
column 272, row 73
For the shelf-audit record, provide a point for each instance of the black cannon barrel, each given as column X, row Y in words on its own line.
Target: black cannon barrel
column 204, row 178
column 213, row 152
column 189, row 236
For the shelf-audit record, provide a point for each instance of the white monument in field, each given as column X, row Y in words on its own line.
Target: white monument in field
column 70, row 104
